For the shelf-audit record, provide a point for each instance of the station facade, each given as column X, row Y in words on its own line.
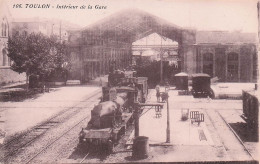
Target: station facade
column 230, row 56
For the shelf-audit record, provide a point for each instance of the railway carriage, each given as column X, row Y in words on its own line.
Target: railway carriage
column 251, row 112
column 201, row 86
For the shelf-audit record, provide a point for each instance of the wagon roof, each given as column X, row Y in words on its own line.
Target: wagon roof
column 181, row 74
column 200, row 75
column 125, row 88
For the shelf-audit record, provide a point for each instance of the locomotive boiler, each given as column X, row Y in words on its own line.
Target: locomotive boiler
column 109, row 120
column 108, row 113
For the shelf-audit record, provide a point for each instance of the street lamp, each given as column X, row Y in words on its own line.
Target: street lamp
column 161, row 65
column 168, row 136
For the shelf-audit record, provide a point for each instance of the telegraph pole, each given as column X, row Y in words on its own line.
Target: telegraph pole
column 161, row 56
column 136, row 117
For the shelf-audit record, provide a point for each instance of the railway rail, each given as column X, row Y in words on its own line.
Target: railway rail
column 14, row 145
column 51, row 143
column 37, row 156
column 238, row 138
column 84, row 158
column 95, row 156
column 216, row 122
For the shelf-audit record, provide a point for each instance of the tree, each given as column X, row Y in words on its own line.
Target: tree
column 38, row 55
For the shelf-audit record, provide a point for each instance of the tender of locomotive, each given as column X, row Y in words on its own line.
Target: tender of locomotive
column 111, row 117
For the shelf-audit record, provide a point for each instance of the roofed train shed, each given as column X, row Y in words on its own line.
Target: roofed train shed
column 108, row 43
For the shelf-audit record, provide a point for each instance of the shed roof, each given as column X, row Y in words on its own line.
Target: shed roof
column 134, row 24
column 224, row 37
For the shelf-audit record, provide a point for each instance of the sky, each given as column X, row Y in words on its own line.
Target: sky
column 228, row 15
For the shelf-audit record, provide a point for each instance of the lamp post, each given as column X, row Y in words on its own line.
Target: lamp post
column 136, row 117
column 168, row 132
column 161, row 69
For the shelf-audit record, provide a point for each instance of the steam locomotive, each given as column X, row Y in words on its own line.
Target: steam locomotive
column 111, row 117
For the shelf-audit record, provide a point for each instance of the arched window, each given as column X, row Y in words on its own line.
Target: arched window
column 208, row 57
column 208, row 64
column 4, row 28
column 5, row 58
column 232, row 56
column 232, row 67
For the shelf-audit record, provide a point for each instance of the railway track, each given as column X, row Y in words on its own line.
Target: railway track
column 47, row 153
column 229, row 139
column 16, row 144
column 96, row 156
column 238, row 138
column 57, row 138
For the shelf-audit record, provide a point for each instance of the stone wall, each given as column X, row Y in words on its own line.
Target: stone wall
column 9, row 76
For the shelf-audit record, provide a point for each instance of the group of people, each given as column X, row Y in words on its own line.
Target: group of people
column 163, row 95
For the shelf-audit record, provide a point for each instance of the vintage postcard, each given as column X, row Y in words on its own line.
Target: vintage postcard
column 129, row 81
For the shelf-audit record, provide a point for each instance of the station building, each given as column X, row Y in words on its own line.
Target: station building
column 230, row 56
column 6, row 74
column 48, row 27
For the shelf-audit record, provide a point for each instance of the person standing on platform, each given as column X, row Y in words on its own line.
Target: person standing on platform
column 157, row 88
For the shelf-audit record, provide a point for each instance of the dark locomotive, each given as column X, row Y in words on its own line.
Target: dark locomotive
column 113, row 115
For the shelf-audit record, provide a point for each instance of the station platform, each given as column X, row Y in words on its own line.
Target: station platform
column 211, row 140
column 230, row 90
column 154, row 127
